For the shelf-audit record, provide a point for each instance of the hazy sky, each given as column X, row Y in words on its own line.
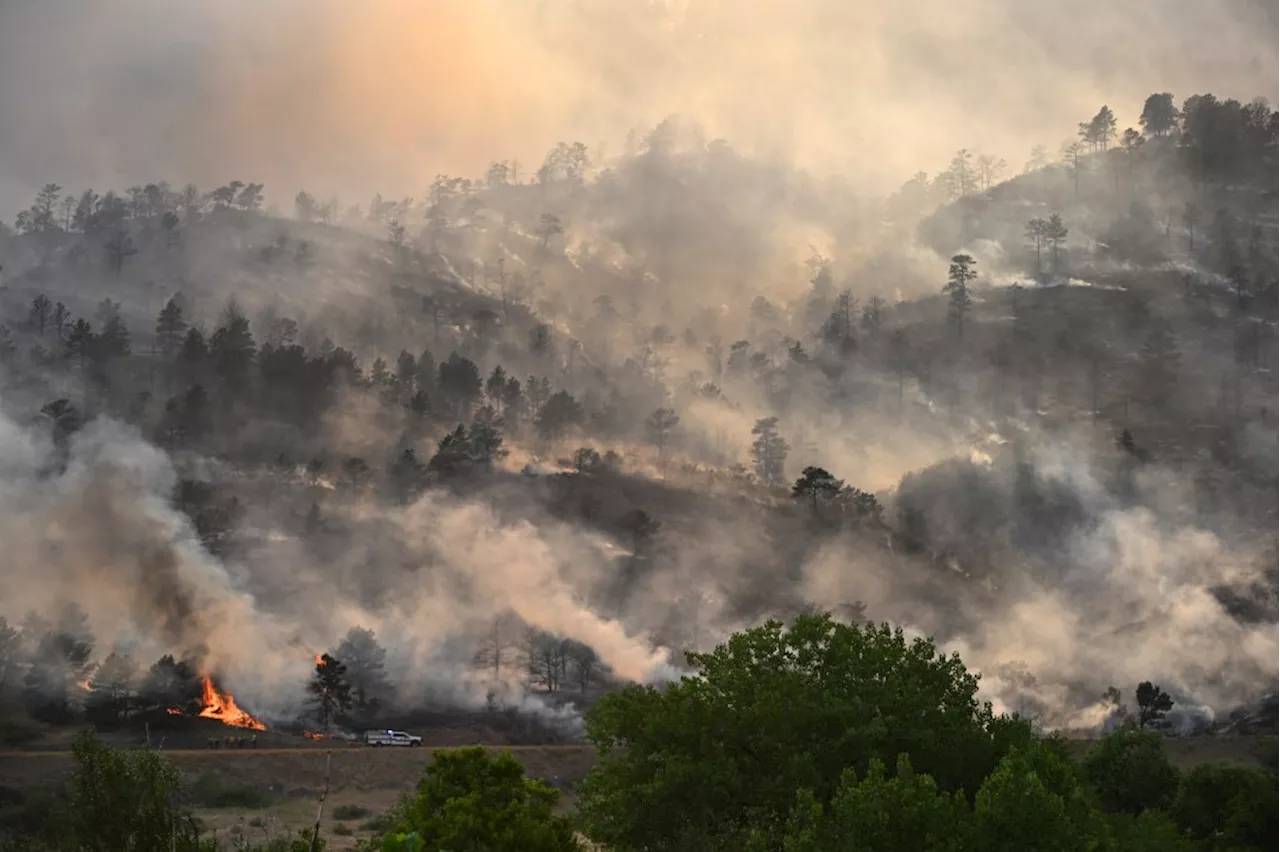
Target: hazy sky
column 353, row 97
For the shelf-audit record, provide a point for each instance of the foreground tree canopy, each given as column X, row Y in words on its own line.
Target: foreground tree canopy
column 782, row 739
column 708, row 761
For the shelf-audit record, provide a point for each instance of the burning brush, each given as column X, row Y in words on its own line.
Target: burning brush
column 215, row 704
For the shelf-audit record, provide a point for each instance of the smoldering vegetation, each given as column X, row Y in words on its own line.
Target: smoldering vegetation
column 541, row 430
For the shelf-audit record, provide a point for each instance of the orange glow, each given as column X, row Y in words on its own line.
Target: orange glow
column 173, row 711
column 312, row 735
column 85, row 685
column 222, row 706
column 319, row 659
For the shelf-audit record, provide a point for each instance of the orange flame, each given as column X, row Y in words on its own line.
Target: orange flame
column 312, row 735
column 85, row 685
column 173, row 711
column 319, row 659
column 222, row 706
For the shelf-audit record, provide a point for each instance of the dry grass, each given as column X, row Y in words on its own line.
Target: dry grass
column 374, row 779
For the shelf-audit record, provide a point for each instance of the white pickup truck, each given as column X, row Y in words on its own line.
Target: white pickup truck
column 391, row 738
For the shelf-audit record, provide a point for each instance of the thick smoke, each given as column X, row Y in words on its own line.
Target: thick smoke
column 101, row 532
column 353, row 97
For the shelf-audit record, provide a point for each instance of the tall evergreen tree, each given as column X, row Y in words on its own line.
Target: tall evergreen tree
column 330, row 692
column 960, row 277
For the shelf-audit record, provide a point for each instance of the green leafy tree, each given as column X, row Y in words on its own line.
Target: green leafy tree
column 1228, row 807
column 126, row 800
column 1033, row 802
column 702, row 763
column 1130, row 772
column 880, row 814
column 469, row 800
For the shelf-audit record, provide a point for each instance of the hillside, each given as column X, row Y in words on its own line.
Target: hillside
column 542, row 437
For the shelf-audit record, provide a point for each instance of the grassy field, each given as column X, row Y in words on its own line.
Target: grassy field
column 268, row 792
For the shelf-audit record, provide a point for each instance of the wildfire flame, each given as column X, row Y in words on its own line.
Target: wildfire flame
column 312, row 735
column 222, row 706
column 85, row 685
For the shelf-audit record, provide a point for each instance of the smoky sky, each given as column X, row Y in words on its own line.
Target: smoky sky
column 351, row 98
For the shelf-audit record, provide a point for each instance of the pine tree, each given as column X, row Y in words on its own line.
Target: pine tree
column 171, row 328
column 331, row 694
column 41, row 310
column 769, row 451
column 80, row 341
column 958, row 280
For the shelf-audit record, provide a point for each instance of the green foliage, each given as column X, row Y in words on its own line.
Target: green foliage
column 467, row 799
column 880, row 814
column 771, row 712
column 1150, row 831
column 1228, row 807
column 125, row 800
column 1130, row 771
column 1032, row 802
column 350, row 811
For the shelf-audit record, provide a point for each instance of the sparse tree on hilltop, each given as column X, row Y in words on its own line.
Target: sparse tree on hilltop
column 1159, row 115
column 816, row 486
column 1153, row 704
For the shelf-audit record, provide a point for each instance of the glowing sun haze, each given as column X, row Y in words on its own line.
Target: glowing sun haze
column 353, row 97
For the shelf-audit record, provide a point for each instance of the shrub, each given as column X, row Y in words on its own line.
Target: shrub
column 467, row 799
column 350, row 812
column 210, row 791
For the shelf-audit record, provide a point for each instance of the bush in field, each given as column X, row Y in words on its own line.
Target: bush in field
column 467, row 799
column 125, row 800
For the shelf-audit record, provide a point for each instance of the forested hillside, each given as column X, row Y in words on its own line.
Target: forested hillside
column 541, row 433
